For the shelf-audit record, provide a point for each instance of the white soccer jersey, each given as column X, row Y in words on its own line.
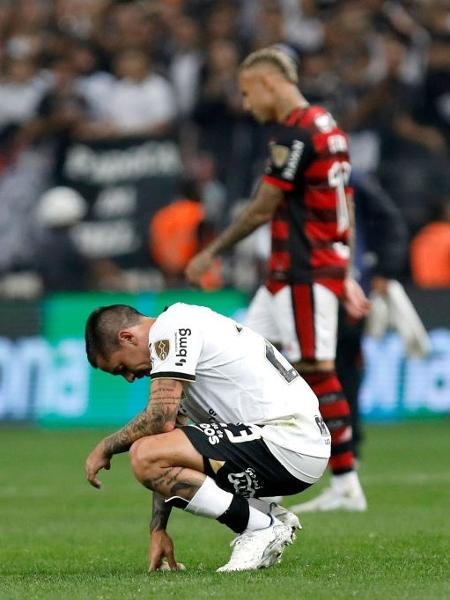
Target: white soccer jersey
column 233, row 375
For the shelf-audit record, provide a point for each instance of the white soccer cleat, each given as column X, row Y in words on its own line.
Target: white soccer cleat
column 344, row 493
column 258, row 549
column 287, row 518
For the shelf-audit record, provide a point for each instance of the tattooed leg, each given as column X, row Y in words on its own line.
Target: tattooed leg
column 184, row 484
column 198, row 494
column 168, row 464
column 173, row 481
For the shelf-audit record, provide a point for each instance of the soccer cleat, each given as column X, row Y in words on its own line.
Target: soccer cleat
column 286, row 517
column 258, row 549
column 344, row 493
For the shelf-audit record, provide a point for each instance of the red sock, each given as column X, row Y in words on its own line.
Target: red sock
column 335, row 412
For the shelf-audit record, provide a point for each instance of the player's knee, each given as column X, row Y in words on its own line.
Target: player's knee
column 141, row 457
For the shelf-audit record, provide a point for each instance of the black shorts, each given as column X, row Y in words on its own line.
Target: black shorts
column 237, row 458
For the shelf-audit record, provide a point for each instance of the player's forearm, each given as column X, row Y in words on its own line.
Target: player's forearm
column 249, row 220
column 258, row 212
column 160, row 513
column 121, row 440
column 159, row 417
column 158, row 420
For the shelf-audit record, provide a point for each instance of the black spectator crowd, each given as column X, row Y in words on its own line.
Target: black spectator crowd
column 103, row 69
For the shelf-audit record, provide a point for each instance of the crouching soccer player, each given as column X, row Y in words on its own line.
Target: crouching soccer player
column 250, row 437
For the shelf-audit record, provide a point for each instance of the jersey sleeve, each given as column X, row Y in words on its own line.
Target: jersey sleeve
column 175, row 348
column 290, row 151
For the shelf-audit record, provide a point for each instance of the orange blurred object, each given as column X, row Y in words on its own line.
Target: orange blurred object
column 430, row 256
column 174, row 240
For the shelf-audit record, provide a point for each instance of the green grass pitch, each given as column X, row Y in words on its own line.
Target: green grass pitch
column 59, row 538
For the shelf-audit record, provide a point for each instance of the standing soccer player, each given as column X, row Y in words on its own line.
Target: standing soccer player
column 305, row 194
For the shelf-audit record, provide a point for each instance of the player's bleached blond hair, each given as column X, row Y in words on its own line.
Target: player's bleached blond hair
column 276, row 57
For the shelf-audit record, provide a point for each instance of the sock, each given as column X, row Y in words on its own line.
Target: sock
column 210, row 500
column 346, row 482
column 267, row 506
column 258, row 520
column 261, row 504
column 335, row 412
column 215, row 503
column 241, row 517
column 270, row 499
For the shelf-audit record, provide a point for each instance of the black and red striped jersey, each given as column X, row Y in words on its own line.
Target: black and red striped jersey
column 309, row 161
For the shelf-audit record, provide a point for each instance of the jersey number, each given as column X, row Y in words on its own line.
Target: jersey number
column 241, row 433
column 288, row 374
column 338, row 178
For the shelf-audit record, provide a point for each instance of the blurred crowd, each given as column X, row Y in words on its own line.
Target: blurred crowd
column 83, row 70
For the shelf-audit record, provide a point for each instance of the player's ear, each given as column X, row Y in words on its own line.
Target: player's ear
column 271, row 83
column 266, row 80
column 127, row 337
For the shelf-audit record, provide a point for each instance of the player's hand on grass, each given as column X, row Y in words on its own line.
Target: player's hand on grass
column 355, row 301
column 97, row 459
column 202, row 262
column 161, row 555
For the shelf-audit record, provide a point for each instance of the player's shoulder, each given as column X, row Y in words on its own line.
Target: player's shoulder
column 317, row 119
column 306, row 123
column 174, row 311
column 166, row 321
column 285, row 139
column 181, row 315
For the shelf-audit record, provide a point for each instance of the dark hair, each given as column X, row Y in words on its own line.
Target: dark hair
column 102, row 327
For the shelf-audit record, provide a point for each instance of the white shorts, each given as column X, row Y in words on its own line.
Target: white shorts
column 302, row 318
column 303, row 467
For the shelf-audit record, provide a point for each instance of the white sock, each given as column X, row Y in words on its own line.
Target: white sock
column 345, row 481
column 258, row 520
column 276, row 499
column 260, row 504
column 210, row 500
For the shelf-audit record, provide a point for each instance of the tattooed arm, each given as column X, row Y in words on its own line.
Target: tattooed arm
column 159, row 416
column 160, row 513
column 161, row 545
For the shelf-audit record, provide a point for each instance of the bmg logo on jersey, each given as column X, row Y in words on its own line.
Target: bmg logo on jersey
column 181, row 342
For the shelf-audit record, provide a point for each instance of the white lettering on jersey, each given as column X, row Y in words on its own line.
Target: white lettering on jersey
column 213, row 432
column 245, row 435
column 337, row 143
column 338, row 178
column 181, row 345
column 325, row 123
column 293, row 160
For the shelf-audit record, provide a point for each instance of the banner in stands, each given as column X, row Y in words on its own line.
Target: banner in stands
column 397, row 387
column 45, row 377
column 124, row 183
